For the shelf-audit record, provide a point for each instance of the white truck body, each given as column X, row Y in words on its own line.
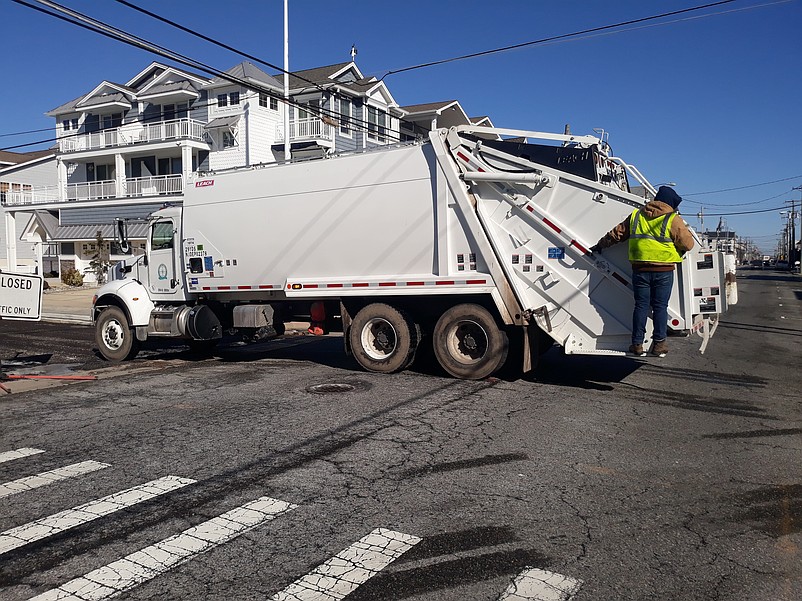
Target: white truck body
column 463, row 218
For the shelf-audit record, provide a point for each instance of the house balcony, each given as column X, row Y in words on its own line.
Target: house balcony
column 135, row 133
column 307, row 130
column 132, row 187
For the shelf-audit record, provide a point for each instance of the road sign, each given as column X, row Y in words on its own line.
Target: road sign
column 20, row 296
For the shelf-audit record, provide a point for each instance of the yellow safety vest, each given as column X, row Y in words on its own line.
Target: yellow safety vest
column 650, row 239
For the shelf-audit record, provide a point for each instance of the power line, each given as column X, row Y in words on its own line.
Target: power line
column 741, row 204
column 745, row 212
column 555, row 38
column 215, row 42
column 785, row 179
column 96, row 26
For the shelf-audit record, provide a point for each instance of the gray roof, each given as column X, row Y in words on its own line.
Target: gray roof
column 104, row 99
column 48, row 221
column 319, row 75
column 248, row 71
column 89, row 231
column 67, row 107
column 222, row 122
column 15, row 158
column 175, row 86
column 429, row 107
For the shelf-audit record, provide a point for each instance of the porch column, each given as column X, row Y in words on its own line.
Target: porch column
column 119, row 176
column 61, row 167
column 186, row 164
column 11, row 240
column 40, row 267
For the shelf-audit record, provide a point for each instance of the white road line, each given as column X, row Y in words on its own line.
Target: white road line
column 62, row 473
column 143, row 565
column 64, row 520
column 18, row 454
column 540, row 585
column 346, row 571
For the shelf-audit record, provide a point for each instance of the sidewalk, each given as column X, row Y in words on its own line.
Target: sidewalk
column 65, row 304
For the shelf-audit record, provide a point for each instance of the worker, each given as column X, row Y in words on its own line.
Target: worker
column 658, row 238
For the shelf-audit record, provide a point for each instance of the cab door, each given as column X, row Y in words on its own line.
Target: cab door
column 162, row 276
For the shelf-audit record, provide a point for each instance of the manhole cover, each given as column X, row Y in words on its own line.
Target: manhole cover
column 330, row 388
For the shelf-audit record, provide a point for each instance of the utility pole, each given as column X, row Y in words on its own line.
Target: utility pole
column 791, row 238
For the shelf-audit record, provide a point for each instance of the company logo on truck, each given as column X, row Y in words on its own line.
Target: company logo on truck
column 204, row 183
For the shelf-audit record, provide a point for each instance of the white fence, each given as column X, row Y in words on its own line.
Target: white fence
column 134, row 133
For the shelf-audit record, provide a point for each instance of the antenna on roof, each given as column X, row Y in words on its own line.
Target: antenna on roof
column 353, row 51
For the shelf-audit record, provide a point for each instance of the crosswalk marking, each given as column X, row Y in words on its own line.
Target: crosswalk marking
column 18, row 454
column 541, row 585
column 62, row 473
column 151, row 561
column 342, row 574
column 64, row 520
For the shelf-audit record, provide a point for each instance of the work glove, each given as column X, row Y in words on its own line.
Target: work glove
column 595, row 249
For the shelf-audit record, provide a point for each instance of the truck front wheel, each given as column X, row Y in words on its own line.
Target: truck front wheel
column 114, row 337
column 383, row 339
column 468, row 343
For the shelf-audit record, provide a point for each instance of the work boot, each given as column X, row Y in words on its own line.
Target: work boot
column 637, row 350
column 660, row 348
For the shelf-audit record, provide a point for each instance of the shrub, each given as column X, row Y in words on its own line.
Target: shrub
column 72, row 277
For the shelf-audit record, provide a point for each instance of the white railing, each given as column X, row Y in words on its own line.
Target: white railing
column 134, row 133
column 31, row 196
column 156, row 185
column 306, row 129
column 92, row 190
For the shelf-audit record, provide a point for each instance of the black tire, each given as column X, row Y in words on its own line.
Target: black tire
column 383, row 339
column 114, row 337
column 468, row 343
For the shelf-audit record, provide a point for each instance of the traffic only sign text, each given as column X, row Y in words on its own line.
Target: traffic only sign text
column 20, row 296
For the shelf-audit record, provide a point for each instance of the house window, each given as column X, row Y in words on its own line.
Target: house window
column 273, row 104
column 345, row 116
column 113, row 120
column 228, row 139
column 69, row 124
column 309, row 110
column 263, row 99
column 234, row 98
column 377, row 124
column 222, row 100
column 175, row 111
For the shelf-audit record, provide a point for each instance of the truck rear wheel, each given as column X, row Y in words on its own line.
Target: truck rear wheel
column 114, row 337
column 468, row 343
column 383, row 339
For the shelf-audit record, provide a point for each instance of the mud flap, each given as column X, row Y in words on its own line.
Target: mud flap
column 705, row 327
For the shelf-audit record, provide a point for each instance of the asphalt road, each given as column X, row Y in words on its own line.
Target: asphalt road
column 674, row 478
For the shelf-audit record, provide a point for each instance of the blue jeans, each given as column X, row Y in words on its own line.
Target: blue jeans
column 652, row 289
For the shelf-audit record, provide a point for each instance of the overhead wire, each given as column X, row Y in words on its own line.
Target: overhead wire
column 76, row 18
column 555, row 38
column 206, row 38
column 785, row 179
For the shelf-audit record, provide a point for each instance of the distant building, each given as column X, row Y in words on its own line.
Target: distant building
column 24, row 179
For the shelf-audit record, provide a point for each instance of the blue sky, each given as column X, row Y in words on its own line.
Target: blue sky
column 711, row 100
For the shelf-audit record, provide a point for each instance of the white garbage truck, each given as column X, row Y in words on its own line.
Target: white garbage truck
column 473, row 243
